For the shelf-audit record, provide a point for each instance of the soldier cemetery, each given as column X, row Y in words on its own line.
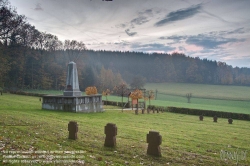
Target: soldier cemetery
column 55, row 134
column 117, row 83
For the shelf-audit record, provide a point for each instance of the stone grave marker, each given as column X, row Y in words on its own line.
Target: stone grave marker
column 154, row 140
column 215, row 118
column 111, row 131
column 230, row 121
column 73, row 129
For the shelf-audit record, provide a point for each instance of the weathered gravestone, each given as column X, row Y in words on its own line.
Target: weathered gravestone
column 215, row 118
column 148, row 110
column 111, row 131
column 136, row 111
column 154, row 140
column 73, row 129
column 201, row 117
column 230, row 121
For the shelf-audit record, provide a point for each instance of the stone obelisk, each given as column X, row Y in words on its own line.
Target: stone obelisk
column 72, row 83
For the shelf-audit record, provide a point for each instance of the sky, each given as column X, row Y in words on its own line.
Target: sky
column 212, row 29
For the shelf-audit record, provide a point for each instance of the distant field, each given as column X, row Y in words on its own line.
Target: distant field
column 206, row 97
column 202, row 90
column 24, row 126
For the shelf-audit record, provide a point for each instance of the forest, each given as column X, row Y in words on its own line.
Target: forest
column 30, row 59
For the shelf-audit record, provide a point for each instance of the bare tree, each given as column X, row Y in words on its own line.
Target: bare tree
column 189, row 96
column 121, row 90
column 74, row 49
column 149, row 96
column 9, row 22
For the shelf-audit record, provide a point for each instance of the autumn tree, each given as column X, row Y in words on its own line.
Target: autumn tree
column 92, row 90
column 224, row 73
column 107, row 79
column 106, row 93
column 136, row 95
column 192, row 72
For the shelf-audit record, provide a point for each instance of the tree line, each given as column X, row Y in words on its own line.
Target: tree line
column 30, row 59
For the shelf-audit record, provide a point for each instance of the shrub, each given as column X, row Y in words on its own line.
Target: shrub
column 209, row 113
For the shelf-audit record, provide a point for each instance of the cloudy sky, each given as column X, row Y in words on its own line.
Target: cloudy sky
column 213, row 29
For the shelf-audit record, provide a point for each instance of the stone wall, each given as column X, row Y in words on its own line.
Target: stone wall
column 92, row 103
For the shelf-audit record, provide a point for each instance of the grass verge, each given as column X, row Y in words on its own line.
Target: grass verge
column 185, row 139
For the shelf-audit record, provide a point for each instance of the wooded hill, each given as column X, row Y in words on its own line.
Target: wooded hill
column 38, row 60
column 40, row 69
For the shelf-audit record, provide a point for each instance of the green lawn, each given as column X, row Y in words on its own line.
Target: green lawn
column 206, row 97
column 202, row 90
column 185, row 139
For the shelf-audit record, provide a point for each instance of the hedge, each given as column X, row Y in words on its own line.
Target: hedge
column 209, row 113
column 115, row 103
column 27, row 93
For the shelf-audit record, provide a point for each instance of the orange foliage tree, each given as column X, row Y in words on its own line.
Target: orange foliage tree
column 136, row 94
column 91, row 90
column 106, row 93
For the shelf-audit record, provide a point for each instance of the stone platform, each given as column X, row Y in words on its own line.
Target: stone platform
column 84, row 104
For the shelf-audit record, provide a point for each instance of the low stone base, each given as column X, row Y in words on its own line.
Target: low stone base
column 84, row 104
column 72, row 93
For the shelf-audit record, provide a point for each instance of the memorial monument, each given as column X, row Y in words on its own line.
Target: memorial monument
column 72, row 99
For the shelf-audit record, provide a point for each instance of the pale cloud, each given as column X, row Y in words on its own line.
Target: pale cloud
column 179, row 15
column 205, row 29
column 38, row 7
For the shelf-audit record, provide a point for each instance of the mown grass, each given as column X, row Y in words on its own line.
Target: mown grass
column 185, row 139
column 202, row 90
column 205, row 97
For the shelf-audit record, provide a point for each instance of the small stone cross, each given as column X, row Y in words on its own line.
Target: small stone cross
column 111, row 131
column 154, row 140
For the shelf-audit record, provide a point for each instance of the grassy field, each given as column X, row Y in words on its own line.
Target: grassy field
column 185, row 139
column 202, row 90
column 206, row 97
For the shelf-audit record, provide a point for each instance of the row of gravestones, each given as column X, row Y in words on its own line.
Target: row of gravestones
column 154, row 138
column 148, row 111
column 215, row 118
